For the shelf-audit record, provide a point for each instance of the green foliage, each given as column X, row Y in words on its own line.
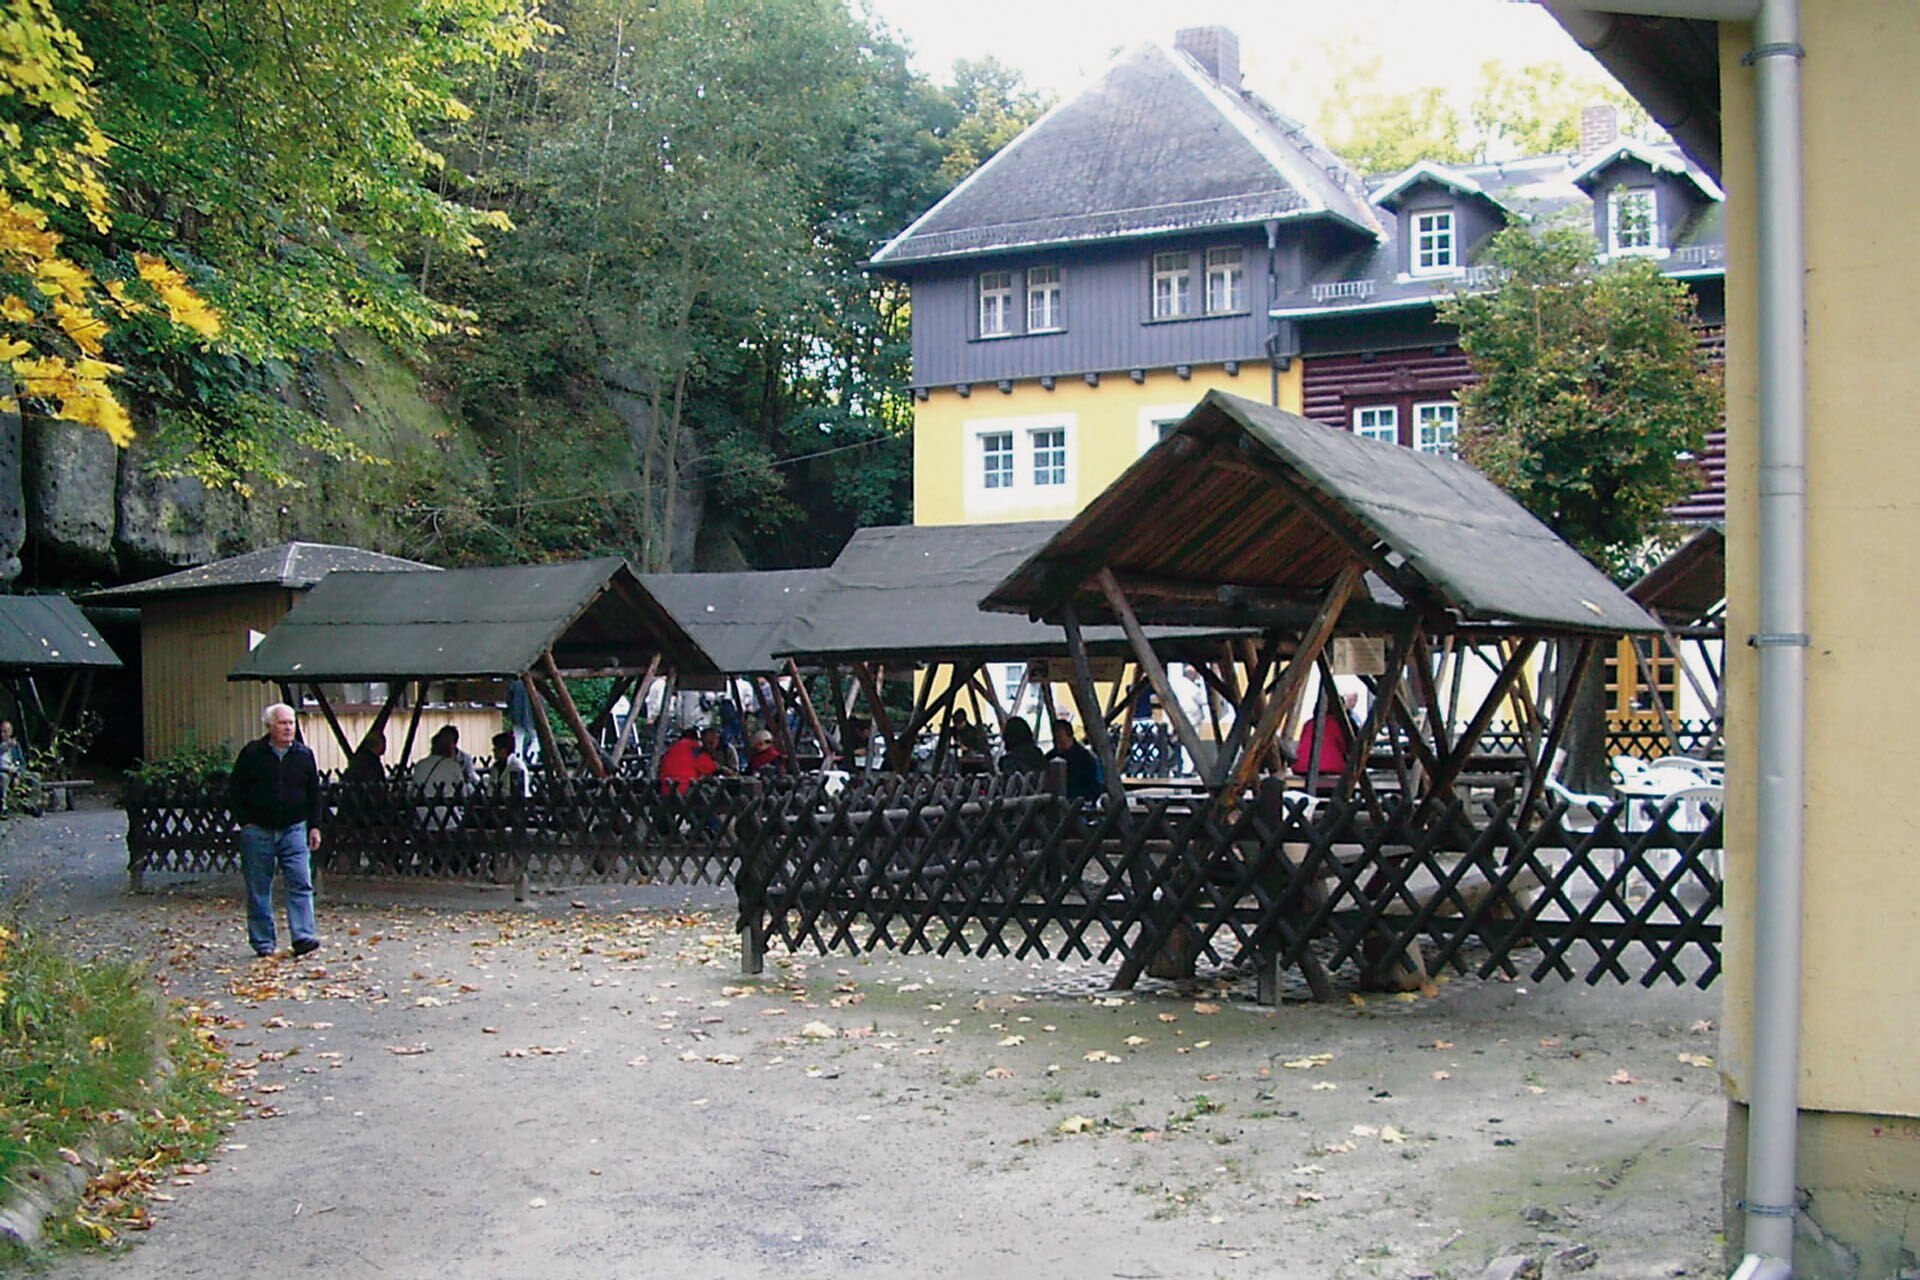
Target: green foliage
column 79, row 1047
column 189, row 765
column 994, row 107
column 1378, row 129
column 1535, row 110
column 1592, row 396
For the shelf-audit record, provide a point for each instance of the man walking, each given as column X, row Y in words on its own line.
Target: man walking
column 275, row 793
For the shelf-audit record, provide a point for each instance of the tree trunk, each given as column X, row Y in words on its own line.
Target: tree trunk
column 1588, row 767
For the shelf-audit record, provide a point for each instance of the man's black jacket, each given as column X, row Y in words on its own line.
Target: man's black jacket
column 274, row 791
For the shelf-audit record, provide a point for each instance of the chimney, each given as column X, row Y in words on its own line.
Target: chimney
column 1599, row 127
column 1216, row 49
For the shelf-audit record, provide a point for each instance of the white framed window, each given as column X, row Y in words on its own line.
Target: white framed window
column 1049, row 447
column 1172, row 285
column 1155, row 422
column 1020, row 467
column 1435, row 425
column 1378, row 422
column 996, row 303
column 1633, row 220
column 1043, row 300
column 1433, row 243
column 1226, row 280
column 996, row 460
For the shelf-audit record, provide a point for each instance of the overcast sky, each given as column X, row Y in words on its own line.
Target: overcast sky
column 1287, row 47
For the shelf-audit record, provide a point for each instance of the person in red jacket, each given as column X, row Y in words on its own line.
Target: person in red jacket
column 685, row 764
column 766, row 759
column 1325, row 744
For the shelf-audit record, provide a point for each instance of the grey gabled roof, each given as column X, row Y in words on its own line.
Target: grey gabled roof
column 295, row 565
column 48, row 632
column 911, row 593
column 1153, row 146
column 1210, row 507
column 736, row 617
column 472, row 623
column 1691, row 583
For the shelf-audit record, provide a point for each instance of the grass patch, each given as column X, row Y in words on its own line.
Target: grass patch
column 90, row 1057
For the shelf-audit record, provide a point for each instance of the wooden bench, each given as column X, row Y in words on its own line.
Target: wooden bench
column 59, row 791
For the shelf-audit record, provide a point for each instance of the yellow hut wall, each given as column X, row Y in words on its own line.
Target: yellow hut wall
column 1859, row 1043
column 186, row 649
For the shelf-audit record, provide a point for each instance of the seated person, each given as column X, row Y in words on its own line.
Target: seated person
column 969, row 739
column 1023, row 754
column 444, row 774
column 1325, row 744
column 507, row 782
column 367, row 764
column 1083, row 771
column 765, row 760
column 685, row 764
column 713, row 742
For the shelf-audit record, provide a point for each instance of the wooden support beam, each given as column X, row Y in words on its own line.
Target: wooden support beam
column 1150, row 664
column 1455, row 760
column 615, row 692
column 1377, row 712
column 630, row 731
column 1253, row 701
column 829, row 748
column 333, row 721
column 1089, row 702
column 413, row 721
column 984, row 682
column 864, row 673
column 665, row 719
column 589, row 750
column 379, row 726
column 1556, row 729
column 1292, row 681
column 542, row 728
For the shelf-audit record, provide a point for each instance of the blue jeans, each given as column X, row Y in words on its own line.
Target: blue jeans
column 262, row 852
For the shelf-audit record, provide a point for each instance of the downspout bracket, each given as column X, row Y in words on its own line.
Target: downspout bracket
column 1780, row 640
column 1766, row 1210
column 1777, row 49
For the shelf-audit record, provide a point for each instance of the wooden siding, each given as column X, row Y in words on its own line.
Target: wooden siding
column 1106, row 302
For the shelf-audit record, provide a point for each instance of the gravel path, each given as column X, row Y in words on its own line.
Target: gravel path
column 585, row 1086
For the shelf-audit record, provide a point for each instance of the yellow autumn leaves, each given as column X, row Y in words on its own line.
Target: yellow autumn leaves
column 54, row 314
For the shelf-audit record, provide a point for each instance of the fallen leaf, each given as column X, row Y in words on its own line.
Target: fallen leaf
column 1101, row 1055
column 1307, row 1197
column 1363, row 1131
column 1696, row 1059
column 724, row 1059
column 1339, row 1148
column 998, row 1073
column 1076, row 1124
column 1134, row 1042
column 1008, row 1042
column 1534, row 1088
column 1169, row 1017
column 818, row 1031
column 1443, row 1044
column 1620, row 1077
column 1390, row 1134
column 1205, row 1006
column 1323, row 1086
column 538, row 1202
column 405, row 1050
column 1443, row 1075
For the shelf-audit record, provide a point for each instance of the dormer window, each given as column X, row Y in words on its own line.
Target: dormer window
column 1172, row 285
column 996, row 304
column 1633, row 222
column 1434, row 250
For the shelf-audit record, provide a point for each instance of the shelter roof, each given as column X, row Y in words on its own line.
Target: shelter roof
column 1154, row 146
column 911, row 593
column 40, row 633
column 736, row 617
column 294, row 565
column 1690, row 584
column 472, row 623
column 1247, row 507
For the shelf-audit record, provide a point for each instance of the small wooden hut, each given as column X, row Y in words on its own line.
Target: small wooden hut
column 46, row 639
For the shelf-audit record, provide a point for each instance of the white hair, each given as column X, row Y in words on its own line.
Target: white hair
column 266, row 717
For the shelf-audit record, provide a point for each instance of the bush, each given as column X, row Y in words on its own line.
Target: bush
column 190, row 765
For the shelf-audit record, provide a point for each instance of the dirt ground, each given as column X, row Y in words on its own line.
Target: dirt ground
column 586, row 1086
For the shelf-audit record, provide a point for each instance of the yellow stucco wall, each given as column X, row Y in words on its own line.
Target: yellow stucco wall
column 1860, row 1044
column 1108, row 426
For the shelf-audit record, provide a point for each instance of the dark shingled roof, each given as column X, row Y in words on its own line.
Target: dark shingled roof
column 41, row 633
column 296, row 565
column 1206, row 509
column 472, row 623
column 736, row 617
column 912, row 593
column 1153, row 146
column 1691, row 583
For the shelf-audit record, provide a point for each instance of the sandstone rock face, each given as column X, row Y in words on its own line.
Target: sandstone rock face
column 13, row 500
column 69, row 478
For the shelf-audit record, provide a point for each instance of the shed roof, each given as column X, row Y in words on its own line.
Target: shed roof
column 1689, row 584
column 41, row 633
column 1210, row 508
column 912, row 593
column 295, row 565
column 472, row 623
column 736, row 617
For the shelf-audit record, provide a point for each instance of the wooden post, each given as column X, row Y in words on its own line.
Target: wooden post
column 413, row 721
column 1089, row 703
column 588, row 750
column 828, row 747
column 1456, row 759
column 1556, row 728
column 379, row 725
column 864, row 673
column 1156, row 674
column 660, row 723
column 549, row 748
column 629, row 732
column 333, row 721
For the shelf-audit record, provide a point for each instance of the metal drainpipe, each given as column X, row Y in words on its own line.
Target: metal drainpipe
column 1773, row 1112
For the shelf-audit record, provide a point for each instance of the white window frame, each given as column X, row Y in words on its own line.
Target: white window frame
column 1434, row 248
column 1149, row 418
column 1436, row 424
column 1226, row 280
column 1617, row 201
column 1052, row 435
column 1377, row 422
column 1044, row 299
column 1172, row 285
column 999, row 468
column 996, row 304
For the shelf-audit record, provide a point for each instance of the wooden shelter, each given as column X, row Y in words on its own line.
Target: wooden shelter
column 42, row 636
column 1687, row 592
column 533, row 624
column 907, row 597
column 737, row 618
column 196, row 623
column 1250, row 516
